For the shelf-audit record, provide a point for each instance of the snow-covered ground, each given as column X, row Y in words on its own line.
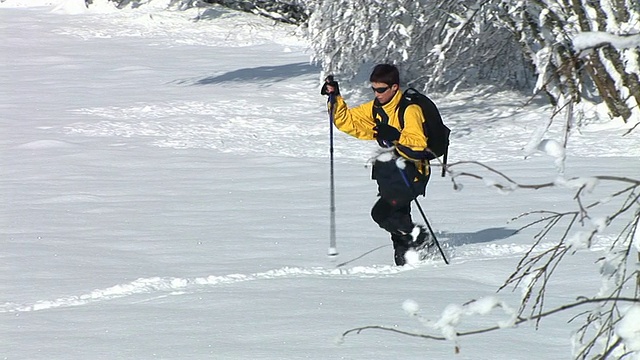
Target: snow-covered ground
column 165, row 194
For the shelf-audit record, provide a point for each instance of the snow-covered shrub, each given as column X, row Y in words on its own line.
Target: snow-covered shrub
column 346, row 34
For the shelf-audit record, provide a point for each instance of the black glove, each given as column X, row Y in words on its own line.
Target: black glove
column 330, row 82
column 386, row 132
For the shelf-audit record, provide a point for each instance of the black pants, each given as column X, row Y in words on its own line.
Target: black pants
column 396, row 219
column 392, row 211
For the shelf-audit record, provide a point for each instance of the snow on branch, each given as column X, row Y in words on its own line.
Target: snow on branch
column 595, row 39
column 628, row 329
column 611, row 326
column 574, row 230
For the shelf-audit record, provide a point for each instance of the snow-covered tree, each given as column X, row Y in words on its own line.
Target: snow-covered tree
column 451, row 43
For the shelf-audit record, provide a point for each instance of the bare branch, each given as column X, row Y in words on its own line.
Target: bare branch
column 520, row 320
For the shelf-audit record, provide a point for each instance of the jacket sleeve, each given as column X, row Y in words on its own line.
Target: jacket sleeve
column 412, row 140
column 357, row 122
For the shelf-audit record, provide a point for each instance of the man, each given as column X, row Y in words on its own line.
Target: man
column 400, row 177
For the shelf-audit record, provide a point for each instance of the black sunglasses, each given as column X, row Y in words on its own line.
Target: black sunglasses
column 380, row 90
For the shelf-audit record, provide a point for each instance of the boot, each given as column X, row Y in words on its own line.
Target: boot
column 418, row 237
column 399, row 250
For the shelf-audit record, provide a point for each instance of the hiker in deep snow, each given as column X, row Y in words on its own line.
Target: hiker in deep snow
column 380, row 120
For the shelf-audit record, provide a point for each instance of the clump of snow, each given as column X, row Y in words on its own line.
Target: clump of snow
column 527, row 283
column 450, row 317
column 554, row 149
column 453, row 315
column 536, row 138
column 588, row 183
column 412, row 257
column 415, row 232
column 411, row 307
column 628, row 329
column 551, row 147
column 457, row 186
column 600, row 223
column 548, row 146
column 384, row 155
column 636, row 239
column 504, row 189
column 489, row 182
column 608, row 268
column 584, row 239
column 484, row 305
column 579, row 240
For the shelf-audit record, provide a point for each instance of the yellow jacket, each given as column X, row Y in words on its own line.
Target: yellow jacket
column 359, row 122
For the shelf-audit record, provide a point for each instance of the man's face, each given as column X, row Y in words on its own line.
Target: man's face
column 384, row 92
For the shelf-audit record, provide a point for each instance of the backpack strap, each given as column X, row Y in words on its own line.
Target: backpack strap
column 402, row 107
column 383, row 115
column 384, row 120
column 404, row 104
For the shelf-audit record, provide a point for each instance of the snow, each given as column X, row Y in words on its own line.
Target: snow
column 70, row 7
column 551, row 148
column 453, row 314
column 165, row 195
column 591, row 39
column 628, row 329
column 411, row 307
column 579, row 240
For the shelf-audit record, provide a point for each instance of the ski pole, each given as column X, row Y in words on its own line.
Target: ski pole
column 435, row 239
column 333, row 251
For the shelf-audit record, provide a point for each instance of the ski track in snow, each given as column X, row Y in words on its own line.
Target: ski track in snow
column 159, row 287
column 179, row 286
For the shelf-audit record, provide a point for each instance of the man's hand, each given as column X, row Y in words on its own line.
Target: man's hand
column 330, row 86
column 386, row 132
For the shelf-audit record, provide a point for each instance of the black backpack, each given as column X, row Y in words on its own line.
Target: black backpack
column 433, row 127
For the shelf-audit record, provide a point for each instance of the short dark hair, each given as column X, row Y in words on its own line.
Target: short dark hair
column 385, row 73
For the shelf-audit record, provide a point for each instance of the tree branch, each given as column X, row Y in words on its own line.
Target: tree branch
column 520, row 320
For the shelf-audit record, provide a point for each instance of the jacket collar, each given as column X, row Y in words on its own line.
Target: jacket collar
column 392, row 105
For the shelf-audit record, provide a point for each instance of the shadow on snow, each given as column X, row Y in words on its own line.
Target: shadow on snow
column 478, row 237
column 261, row 73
